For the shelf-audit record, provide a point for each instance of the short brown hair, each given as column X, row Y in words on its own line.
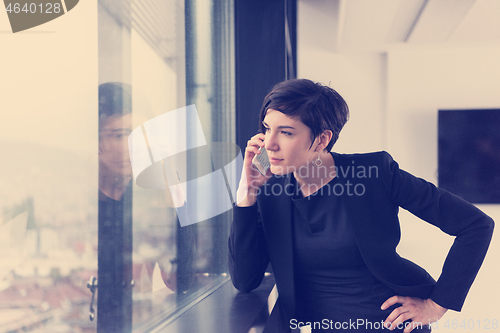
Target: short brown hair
column 319, row 107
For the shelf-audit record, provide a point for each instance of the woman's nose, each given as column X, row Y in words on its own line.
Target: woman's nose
column 271, row 143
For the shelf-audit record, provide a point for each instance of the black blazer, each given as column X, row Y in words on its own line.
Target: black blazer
column 373, row 190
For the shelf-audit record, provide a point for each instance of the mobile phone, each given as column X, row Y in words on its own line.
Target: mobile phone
column 261, row 161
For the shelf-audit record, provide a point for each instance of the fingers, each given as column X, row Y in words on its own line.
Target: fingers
column 413, row 313
column 257, row 140
column 398, row 315
column 255, row 143
column 251, row 151
column 400, row 322
column 251, row 178
column 393, row 300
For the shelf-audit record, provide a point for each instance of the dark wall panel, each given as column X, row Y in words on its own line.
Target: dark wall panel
column 260, row 58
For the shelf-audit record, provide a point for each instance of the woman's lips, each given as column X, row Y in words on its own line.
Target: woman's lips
column 274, row 160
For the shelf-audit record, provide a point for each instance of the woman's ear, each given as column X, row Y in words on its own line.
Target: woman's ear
column 324, row 140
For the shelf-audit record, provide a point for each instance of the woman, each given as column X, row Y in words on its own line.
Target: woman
column 328, row 225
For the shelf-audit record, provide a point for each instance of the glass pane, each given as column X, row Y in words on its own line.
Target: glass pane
column 48, row 175
column 173, row 61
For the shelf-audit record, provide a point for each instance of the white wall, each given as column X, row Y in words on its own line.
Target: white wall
column 421, row 80
column 360, row 79
column 394, row 97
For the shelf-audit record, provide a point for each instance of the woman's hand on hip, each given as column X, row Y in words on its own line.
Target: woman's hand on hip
column 424, row 311
column 251, row 179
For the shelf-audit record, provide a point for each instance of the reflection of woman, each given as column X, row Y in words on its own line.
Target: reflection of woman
column 115, row 210
column 115, row 222
column 115, row 170
column 328, row 225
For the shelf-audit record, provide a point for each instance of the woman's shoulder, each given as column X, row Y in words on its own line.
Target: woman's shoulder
column 374, row 165
column 374, row 157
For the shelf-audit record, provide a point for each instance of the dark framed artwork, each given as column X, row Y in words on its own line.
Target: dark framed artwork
column 469, row 154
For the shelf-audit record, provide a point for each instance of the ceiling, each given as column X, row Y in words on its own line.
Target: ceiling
column 375, row 25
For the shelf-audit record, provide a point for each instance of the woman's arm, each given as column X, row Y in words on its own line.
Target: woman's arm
column 248, row 258
column 247, row 254
column 472, row 230
column 471, row 227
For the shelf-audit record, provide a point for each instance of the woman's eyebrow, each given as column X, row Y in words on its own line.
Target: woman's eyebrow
column 279, row 127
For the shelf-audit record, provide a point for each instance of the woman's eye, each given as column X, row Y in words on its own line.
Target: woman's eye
column 286, row 133
column 266, row 129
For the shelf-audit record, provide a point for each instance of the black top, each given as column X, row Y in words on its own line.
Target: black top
column 262, row 234
column 332, row 280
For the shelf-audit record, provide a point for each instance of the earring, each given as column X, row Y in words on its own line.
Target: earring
column 318, row 161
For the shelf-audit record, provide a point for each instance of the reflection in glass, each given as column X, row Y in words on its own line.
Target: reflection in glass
column 114, row 301
column 170, row 54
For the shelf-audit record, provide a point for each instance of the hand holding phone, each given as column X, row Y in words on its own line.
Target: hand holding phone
column 261, row 161
column 251, row 179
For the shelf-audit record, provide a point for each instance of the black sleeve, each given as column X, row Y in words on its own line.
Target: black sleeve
column 247, row 254
column 471, row 227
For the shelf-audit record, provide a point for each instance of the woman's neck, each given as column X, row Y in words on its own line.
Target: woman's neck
column 314, row 177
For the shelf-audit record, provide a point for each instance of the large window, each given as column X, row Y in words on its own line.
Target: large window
column 109, row 197
column 48, row 174
column 167, row 67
